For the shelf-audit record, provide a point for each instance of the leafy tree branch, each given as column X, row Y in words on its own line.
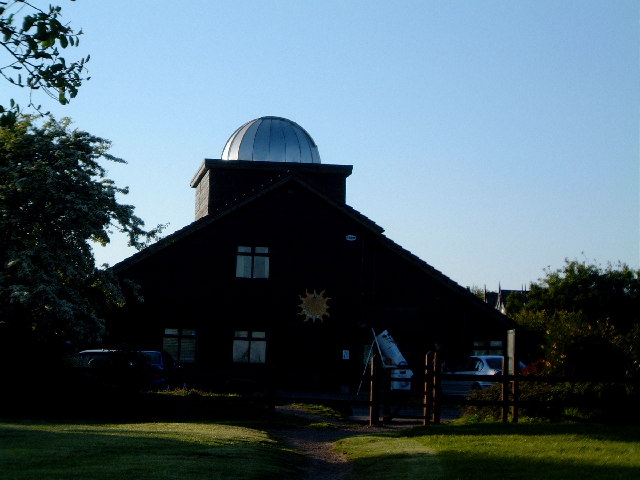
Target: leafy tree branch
column 34, row 60
column 54, row 202
column 588, row 318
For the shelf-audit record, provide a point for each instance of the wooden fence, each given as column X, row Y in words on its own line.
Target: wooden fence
column 433, row 398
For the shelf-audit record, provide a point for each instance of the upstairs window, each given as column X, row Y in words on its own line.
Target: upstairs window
column 252, row 262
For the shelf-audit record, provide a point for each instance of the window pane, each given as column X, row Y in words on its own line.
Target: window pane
column 188, row 332
column 495, row 363
column 188, row 350
column 258, row 335
column 258, row 352
column 262, row 249
column 470, row 365
column 261, row 267
column 171, row 331
column 243, row 266
column 241, row 351
column 152, row 357
column 244, row 249
column 242, row 334
column 170, row 345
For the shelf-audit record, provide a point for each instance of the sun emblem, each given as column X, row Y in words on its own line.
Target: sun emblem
column 314, row 306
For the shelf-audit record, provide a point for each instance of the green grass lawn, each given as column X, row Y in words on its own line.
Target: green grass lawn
column 122, row 451
column 496, row 451
column 140, row 451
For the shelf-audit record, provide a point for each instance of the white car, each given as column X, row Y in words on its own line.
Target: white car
column 475, row 365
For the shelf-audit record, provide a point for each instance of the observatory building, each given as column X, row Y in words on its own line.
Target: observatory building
column 279, row 273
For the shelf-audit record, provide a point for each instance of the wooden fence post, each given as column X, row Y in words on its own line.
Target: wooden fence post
column 504, row 397
column 516, row 393
column 428, row 389
column 515, row 388
column 374, row 403
column 513, row 371
column 437, row 387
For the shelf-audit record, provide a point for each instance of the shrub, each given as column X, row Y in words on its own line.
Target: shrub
column 612, row 402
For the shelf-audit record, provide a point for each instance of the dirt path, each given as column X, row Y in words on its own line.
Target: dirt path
column 316, row 444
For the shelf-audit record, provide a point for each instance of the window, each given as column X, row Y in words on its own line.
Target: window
column 180, row 343
column 487, row 347
column 252, row 262
column 472, row 365
column 249, row 347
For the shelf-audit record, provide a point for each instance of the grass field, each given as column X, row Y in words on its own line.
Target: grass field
column 145, row 451
column 496, row 451
column 141, row 451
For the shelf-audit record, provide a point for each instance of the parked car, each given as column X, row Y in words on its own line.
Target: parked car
column 136, row 368
column 475, row 365
column 102, row 359
column 164, row 369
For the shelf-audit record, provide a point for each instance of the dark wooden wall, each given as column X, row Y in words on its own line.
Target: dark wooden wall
column 190, row 283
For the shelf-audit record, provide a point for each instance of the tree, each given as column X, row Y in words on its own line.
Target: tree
column 588, row 317
column 55, row 201
column 478, row 292
column 34, row 59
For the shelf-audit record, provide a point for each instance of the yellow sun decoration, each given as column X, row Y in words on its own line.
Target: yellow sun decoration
column 314, row 306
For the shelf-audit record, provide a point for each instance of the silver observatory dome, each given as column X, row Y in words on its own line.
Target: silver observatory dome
column 271, row 139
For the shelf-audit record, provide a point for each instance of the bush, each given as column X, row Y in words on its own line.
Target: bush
column 73, row 394
column 613, row 402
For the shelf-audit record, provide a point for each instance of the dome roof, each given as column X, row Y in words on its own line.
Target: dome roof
column 271, row 139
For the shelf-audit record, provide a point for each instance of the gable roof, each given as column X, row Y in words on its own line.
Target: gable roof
column 286, row 177
column 238, row 203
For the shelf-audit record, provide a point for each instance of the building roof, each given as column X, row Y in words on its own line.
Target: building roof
column 230, row 207
column 282, row 179
column 271, row 139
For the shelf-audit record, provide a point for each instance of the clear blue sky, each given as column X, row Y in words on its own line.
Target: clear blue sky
column 490, row 138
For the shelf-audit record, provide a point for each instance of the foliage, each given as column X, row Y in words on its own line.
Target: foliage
column 190, row 392
column 484, row 412
column 34, row 59
column 588, row 317
column 608, row 293
column 516, row 301
column 320, row 410
column 607, row 402
column 54, row 201
column 477, row 291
